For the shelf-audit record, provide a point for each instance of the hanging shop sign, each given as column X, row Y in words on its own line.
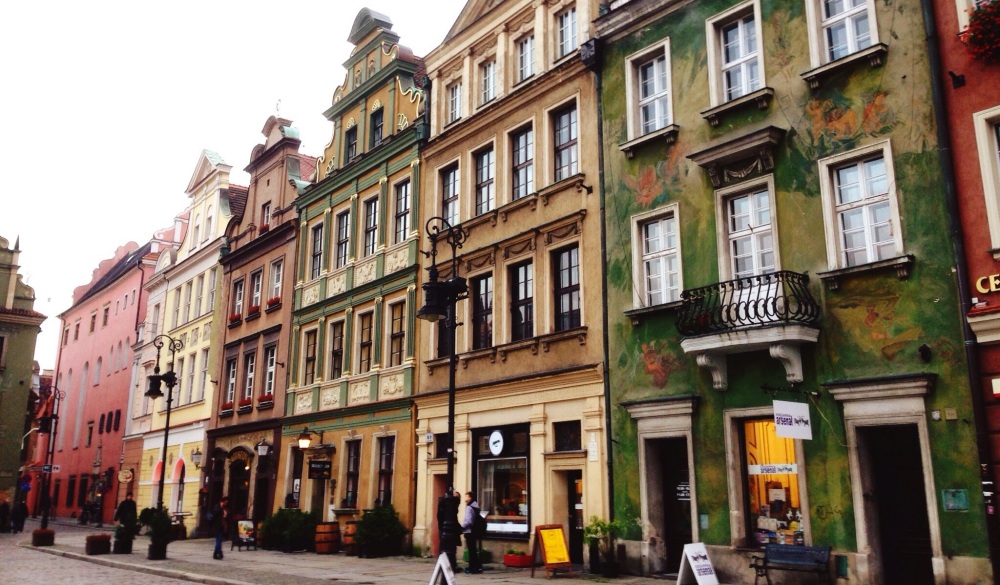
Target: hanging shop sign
column 319, row 469
column 791, row 420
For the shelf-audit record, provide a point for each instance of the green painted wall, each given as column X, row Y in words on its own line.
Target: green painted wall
column 871, row 326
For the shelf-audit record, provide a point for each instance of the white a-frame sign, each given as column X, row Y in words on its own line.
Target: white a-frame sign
column 696, row 567
column 443, row 567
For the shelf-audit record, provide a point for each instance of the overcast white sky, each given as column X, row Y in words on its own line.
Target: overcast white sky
column 110, row 103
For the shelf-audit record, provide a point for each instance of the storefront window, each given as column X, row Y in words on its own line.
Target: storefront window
column 772, row 485
column 501, row 463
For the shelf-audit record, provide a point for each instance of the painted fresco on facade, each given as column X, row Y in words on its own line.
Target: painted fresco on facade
column 871, row 325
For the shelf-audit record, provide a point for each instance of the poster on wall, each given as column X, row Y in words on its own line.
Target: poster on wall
column 791, row 420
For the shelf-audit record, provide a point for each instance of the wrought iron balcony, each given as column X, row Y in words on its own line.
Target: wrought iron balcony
column 778, row 298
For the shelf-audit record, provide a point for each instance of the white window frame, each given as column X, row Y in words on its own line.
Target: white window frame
column 256, row 287
column 964, row 7
column 567, row 36
column 276, row 274
column 713, row 32
column 722, row 197
column 571, row 145
column 198, row 294
column 985, row 123
column 203, row 383
column 525, row 55
column 231, row 380
column 488, row 81
column 452, row 216
column 369, row 241
column 238, row 291
column 633, row 87
column 827, row 166
column 454, row 101
column 249, row 374
column 640, row 294
column 270, row 359
column 818, row 52
column 402, row 222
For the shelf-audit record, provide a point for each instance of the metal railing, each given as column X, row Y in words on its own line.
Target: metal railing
column 755, row 301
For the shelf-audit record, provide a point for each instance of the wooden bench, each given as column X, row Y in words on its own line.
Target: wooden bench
column 786, row 557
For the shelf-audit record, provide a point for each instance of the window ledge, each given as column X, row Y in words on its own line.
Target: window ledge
column 244, row 409
column 266, row 405
column 543, row 342
column 226, row 413
column 565, row 454
column 252, row 316
column 902, row 264
column 762, row 97
column 235, row 323
column 875, row 55
column 638, row 314
column 272, row 308
column 757, row 146
column 667, row 133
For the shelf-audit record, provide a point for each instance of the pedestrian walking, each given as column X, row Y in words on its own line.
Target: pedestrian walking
column 126, row 513
column 18, row 516
column 219, row 517
column 470, row 528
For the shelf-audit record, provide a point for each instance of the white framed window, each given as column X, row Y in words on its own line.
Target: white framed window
column 485, row 185
column 525, row 57
column 256, row 288
column 343, row 238
column 656, row 257
column 371, row 226
column 249, row 370
column 203, row 383
column 987, row 128
column 276, row 274
column 566, row 39
column 238, row 297
column 647, row 90
column 309, row 357
column 488, row 81
column 230, row 381
column 565, row 132
column 449, row 194
column 270, row 360
column 401, row 229
column 859, row 205
column 735, row 61
column 746, row 233
column 839, row 28
column 199, row 292
column 211, row 290
column 179, row 389
column 454, row 101
column 190, row 377
column 316, row 251
column 265, row 214
column 522, row 147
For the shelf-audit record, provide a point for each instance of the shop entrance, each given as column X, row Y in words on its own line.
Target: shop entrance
column 669, row 488
column 574, row 488
column 239, row 488
column 895, row 503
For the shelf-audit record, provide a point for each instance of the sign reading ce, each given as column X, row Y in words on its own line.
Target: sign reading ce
column 988, row 284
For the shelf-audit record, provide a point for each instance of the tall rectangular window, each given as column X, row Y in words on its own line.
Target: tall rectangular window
column 454, row 102
column 211, row 290
column 316, row 252
column 485, row 196
column 566, row 156
column 660, row 263
column 770, row 470
column 203, row 382
column 522, row 301
column 449, row 195
column 265, row 215
column 199, row 293
column 343, row 237
column 270, row 360
column 238, row 297
column 386, row 463
column 256, row 289
column 740, row 66
column 371, row 226
column 864, row 217
column 105, row 315
column 377, row 127
column 567, row 288
column 188, row 296
column 190, row 376
column 352, row 473
column 336, row 350
column 230, row 381
column 177, row 307
column 567, row 42
column 522, row 145
column 179, row 389
column 155, row 323
column 365, row 342
column 397, row 333
column 488, row 81
column 845, row 27
column 525, row 58
column 751, row 240
column 481, row 296
column 402, row 223
column 276, row 274
column 654, row 95
column 351, row 144
column 249, row 371
column 309, row 364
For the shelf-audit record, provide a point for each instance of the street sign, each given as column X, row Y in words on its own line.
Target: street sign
column 47, row 468
column 35, row 468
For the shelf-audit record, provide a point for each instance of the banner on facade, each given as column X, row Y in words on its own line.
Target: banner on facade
column 791, row 420
column 696, row 568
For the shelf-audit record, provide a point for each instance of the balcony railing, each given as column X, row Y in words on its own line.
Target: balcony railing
column 757, row 301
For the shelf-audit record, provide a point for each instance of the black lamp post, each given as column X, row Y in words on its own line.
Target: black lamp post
column 49, row 424
column 440, row 298
column 169, row 379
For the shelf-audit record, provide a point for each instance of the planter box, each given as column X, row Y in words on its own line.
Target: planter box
column 98, row 546
column 43, row 537
column 518, row 560
column 122, row 547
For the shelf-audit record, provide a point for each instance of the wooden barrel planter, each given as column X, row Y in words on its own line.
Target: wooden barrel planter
column 350, row 544
column 327, row 538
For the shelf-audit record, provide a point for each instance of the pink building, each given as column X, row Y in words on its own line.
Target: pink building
column 94, row 372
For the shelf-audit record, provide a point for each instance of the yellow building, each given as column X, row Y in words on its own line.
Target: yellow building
column 513, row 161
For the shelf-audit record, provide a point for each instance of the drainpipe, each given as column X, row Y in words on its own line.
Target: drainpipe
column 961, row 266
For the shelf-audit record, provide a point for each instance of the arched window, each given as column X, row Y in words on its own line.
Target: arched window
column 208, row 224
column 97, row 372
column 121, row 358
column 100, row 426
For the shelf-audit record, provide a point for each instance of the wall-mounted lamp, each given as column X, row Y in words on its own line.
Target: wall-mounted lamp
column 305, row 438
column 196, row 457
column 264, row 448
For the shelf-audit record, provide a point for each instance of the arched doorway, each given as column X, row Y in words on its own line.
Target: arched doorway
column 238, row 489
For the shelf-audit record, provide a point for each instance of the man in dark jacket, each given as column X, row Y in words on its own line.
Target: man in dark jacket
column 126, row 513
column 18, row 516
column 219, row 521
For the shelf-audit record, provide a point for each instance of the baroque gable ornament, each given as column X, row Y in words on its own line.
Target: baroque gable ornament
column 377, row 105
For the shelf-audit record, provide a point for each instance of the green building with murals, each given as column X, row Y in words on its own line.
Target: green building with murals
column 785, row 347
column 352, row 363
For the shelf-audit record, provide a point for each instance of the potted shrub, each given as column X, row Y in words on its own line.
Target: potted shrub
column 253, row 311
column 982, row 38
column 98, row 544
column 124, row 536
column 246, row 404
column 289, row 529
column 517, row 558
column 273, row 302
column 265, row 228
column 157, row 523
column 605, row 534
column 226, row 406
column 235, row 318
column 43, row 537
column 380, row 532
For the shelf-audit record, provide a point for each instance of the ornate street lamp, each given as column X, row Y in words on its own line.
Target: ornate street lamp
column 168, row 379
column 440, row 298
column 49, row 423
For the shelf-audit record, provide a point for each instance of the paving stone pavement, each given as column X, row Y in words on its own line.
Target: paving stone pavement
column 191, row 561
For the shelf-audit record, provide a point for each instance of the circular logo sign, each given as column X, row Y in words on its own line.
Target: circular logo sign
column 125, row 476
column 496, row 442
